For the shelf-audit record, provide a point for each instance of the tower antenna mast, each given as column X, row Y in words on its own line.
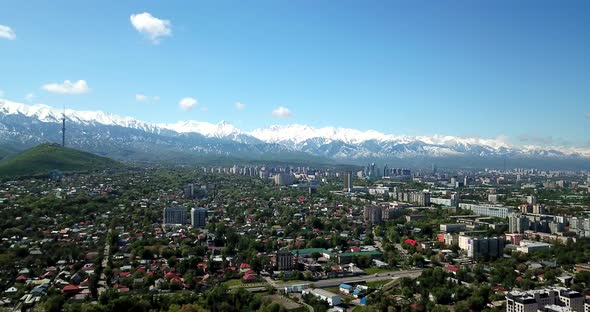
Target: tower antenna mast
column 63, row 127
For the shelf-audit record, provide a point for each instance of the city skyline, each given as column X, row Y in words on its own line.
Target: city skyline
column 393, row 68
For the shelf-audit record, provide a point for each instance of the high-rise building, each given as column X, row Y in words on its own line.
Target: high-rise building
column 283, row 179
column 482, row 246
column 518, row 224
column 199, row 217
column 285, row 261
column 420, row 198
column 373, row 214
column 538, row 209
column 189, row 191
column 370, row 171
column 175, row 215
column 455, row 197
column 531, row 199
column 348, row 181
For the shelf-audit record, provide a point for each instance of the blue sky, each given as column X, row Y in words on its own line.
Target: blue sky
column 466, row 68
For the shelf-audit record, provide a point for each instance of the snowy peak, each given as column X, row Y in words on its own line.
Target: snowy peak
column 40, row 111
column 221, row 130
column 47, row 113
column 329, row 142
column 300, row 133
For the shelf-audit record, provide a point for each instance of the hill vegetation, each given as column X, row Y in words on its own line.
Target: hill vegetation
column 43, row 158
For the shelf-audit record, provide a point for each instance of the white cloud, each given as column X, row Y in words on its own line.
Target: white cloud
column 67, row 87
column 7, row 32
column 187, row 103
column 29, row 97
column 281, row 112
column 150, row 26
column 240, row 106
column 146, row 98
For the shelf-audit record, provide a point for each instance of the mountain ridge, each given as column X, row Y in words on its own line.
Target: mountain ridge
column 223, row 138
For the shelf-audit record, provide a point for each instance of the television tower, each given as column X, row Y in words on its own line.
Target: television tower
column 63, row 128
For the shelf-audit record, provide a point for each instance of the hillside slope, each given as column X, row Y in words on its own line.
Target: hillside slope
column 43, row 158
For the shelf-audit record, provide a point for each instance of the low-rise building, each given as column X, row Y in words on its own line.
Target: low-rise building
column 527, row 246
column 330, row 297
column 347, row 257
column 453, row 228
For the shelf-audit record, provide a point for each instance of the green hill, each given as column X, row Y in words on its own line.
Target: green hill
column 42, row 159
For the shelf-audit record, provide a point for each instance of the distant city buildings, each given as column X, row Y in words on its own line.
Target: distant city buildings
column 581, row 226
column 451, row 202
column 419, row 198
column 379, row 190
column 532, row 208
column 396, row 172
column 520, row 223
column 371, row 171
column 193, row 191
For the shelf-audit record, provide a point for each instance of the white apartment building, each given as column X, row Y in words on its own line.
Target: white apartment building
column 546, row 299
column 488, row 210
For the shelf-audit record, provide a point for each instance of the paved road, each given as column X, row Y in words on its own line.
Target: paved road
column 102, row 282
column 357, row 279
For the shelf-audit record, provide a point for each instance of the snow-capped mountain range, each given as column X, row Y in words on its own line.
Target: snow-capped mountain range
column 103, row 132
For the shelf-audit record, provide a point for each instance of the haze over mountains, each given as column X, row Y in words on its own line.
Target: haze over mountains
column 22, row 126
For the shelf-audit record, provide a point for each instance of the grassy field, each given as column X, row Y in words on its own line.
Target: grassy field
column 371, row 271
column 334, row 289
column 377, row 284
column 235, row 283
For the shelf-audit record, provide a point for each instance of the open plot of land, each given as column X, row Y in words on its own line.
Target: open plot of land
column 285, row 302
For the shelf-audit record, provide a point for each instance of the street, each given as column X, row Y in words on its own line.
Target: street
column 355, row 279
